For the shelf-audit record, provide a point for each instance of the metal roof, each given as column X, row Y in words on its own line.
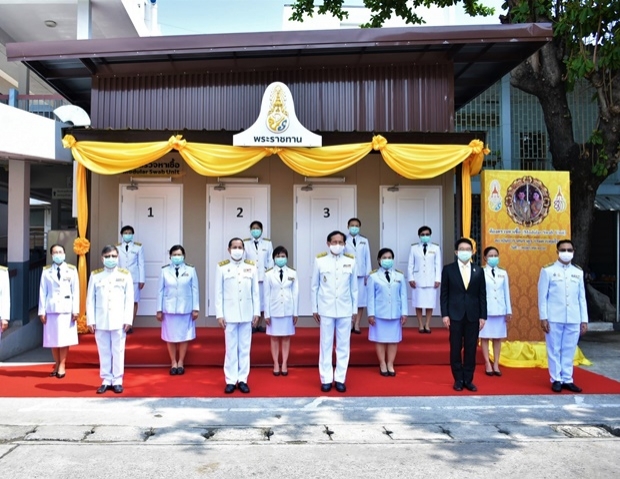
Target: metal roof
column 607, row 202
column 481, row 55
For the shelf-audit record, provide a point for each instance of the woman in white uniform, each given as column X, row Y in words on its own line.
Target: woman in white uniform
column 281, row 305
column 59, row 308
column 499, row 310
column 387, row 310
column 178, row 303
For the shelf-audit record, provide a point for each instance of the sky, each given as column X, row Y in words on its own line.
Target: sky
column 193, row 17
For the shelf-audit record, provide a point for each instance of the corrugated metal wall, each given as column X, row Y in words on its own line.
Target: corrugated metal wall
column 375, row 98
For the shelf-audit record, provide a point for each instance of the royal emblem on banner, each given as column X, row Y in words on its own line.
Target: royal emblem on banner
column 559, row 202
column 277, row 118
column 495, row 198
column 527, row 201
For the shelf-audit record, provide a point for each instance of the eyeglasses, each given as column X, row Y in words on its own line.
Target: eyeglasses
column 566, row 250
column 107, row 256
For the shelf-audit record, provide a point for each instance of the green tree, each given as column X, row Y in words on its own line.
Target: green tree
column 583, row 48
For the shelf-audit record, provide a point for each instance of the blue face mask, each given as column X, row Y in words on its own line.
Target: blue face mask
column 464, row 256
column 493, row 261
column 58, row 258
column 425, row 239
column 387, row 263
column 354, row 230
column 127, row 238
column 281, row 262
column 110, row 262
column 177, row 260
column 256, row 233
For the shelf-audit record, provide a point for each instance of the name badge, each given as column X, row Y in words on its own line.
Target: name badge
column 346, row 265
column 290, row 278
column 324, row 279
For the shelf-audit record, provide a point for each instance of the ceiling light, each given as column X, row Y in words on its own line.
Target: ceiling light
column 50, row 23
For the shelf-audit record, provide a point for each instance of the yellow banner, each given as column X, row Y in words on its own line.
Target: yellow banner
column 524, row 215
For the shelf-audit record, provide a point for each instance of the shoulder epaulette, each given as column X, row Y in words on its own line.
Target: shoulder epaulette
column 70, row 266
column 577, row 266
column 293, row 269
column 137, row 244
column 399, row 271
column 118, row 244
column 374, row 271
column 249, row 261
column 349, row 255
column 224, row 263
column 4, row 268
column 499, row 267
column 190, row 265
column 549, row 264
column 413, row 244
column 248, row 239
column 321, row 255
column 268, row 270
column 435, row 244
column 123, row 270
column 165, row 266
column 266, row 239
column 47, row 267
column 97, row 271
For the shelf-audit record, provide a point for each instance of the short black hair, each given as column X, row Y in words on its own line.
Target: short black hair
column 422, row 229
column 334, row 233
column 256, row 223
column 278, row 250
column 382, row 251
column 463, row 240
column 354, row 219
column 56, row 245
column 557, row 246
column 177, row 247
column 108, row 249
column 127, row 227
column 236, row 239
column 488, row 249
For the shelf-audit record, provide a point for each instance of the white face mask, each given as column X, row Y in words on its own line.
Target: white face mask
column 336, row 248
column 236, row 254
column 566, row 256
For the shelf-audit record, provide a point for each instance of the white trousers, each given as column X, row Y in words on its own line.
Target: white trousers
column 237, row 361
column 111, row 347
column 562, row 342
column 342, row 328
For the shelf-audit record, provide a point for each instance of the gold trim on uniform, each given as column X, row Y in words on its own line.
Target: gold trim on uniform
column 224, row 263
column 123, row 270
column 100, row 270
column 320, row 255
column 349, row 255
column 47, row 267
column 249, row 261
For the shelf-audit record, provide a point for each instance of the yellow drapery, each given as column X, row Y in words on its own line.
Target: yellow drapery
column 413, row 162
column 523, row 354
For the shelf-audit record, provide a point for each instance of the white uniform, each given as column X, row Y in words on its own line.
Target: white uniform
column 334, row 298
column 59, row 300
column 5, row 296
column 562, row 302
column 177, row 296
column 109, row 306
column 425, row 270
column 237, row 301
column 498, row 303
column 363, row 264
column 259, row 251
column 281, row 300
column 131, row 257
column 387, row 302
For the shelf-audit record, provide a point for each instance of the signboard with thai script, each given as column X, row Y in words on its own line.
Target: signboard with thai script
column 168, row 165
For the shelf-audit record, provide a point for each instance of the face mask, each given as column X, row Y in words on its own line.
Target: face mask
column 566, row 256
column 127, row 238
column 425, row 239
column 58, row 258
column 281, row 262
column 256, row 233
column 387, row 263
column 110, row 262
column 177, row 260
column 354, row 230
column 236, row 254
column 493, row 261
column 464, row 256
column 336, row 248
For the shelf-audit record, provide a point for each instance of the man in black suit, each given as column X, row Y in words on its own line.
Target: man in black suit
column 464, row 310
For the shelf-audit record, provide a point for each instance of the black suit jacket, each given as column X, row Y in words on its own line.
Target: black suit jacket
column 459, row 303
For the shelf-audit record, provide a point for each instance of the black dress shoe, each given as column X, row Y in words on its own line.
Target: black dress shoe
column 489, row 373
column 421, row 330
column 556, row 387
column 327, row 387
column 130, row 330
column 254, row 330
column 103, row 388
column 243, row 387
column 180, row 370
column 427, row 330
column 230, row 388
column 60, row 376
column 470, row 387
column 356, row 331
column 117, row 388
column 391, row 373
column 340, row 387
column 572, row 387
column 384, row 373
column 53, row 373
column 276, row 373
column 458, row 385
column 174, row 371
column 261, row 329
column 284, row 373
column 497, row 373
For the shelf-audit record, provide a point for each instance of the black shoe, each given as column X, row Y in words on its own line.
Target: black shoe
column 488, row 373
column 130, row 330
column 229, row 389
column 261, row 329
column 383, row 373
column 497, row 373
column 356, row 331
column 391, row 373
column 180, row 370
column 556, row 387
column 243, row 387
column 572, row 387
column 284, row 373
column 427, row 330
column 254, row 330
column 458, row 385
column 103, row 388
column 421, row 330
column 340, row 387
column 174, row 371
column 60, row 376
column 117, row 388
column 327, row 387
column 53, row 374
column 276, row 373
column 470, row 387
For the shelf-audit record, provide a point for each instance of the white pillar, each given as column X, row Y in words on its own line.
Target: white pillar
column 84, row 20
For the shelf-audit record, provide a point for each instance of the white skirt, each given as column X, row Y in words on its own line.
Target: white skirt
column 281, row 326
column 385, row 331
column 136, row 292
column 495, row 328
column 178, row 328
column 361, row 293
column 59, row 331
column 261, row 292
column 424, row 297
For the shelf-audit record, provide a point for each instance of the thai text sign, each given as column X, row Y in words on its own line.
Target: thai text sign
column 168, row 165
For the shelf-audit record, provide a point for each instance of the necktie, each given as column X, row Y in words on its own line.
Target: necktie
column 127, row 247
column 281, row 275
column 176, row 271
column 465, row 275
column 58, row 273
column 387, row 276
column 354, row 243
column 256, row 245
column 493, row 272
column 424, row 248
